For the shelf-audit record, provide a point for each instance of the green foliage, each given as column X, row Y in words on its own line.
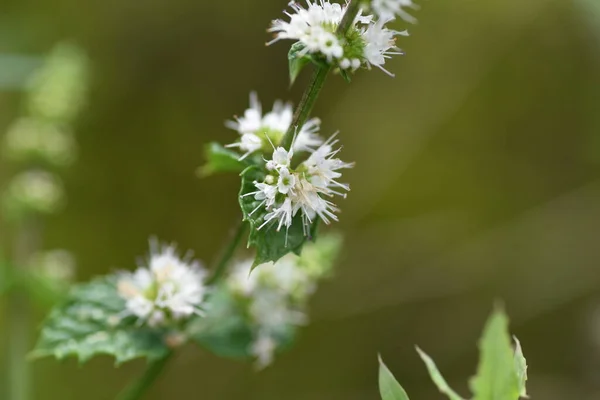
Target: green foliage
column 224, row 330
column 89, row 323
column 296, row 62
column 437, row 377
column 220, row 159
column 271, row 244
column 389, row 388
column 497, row 376
column 521, row 367
column 501, row 374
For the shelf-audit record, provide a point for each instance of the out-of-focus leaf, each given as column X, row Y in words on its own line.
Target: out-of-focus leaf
column 89, row 323
column 223, row 330
column 220, row 159
column 270, row 243
column 389, row 388
column 437, row 377
column 521, row 366
column 497, row 377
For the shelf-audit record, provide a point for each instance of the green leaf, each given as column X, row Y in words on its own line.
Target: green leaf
column 270, row 243
column 296, row 62
column 220, row 159
column 223, row 330
column 521, row 367
column 345, row 75
column 89, row 323
column 437, row 377
column 389, row 388
column 496, row 377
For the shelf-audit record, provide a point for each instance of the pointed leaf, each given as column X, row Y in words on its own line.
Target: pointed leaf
column 437, row 377
column 88, row 323
column 296, row 61
column 270, row 243
column 521, row 367
column 389, row 388
column 496, row 377
column 220, row 159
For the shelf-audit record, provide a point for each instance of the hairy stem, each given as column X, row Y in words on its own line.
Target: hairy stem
column 317, row 81
column 141, row 386
column 228, row 252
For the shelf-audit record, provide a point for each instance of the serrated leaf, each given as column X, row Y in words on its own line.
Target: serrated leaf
column 389, row 388
column 88, row 323
column 296, row 61
column 437, row 377
column 220, row 159
column 270, row 243
column 496, row 377
column 521, row 368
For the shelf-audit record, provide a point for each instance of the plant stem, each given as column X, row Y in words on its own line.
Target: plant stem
column 138, row 388
column 25, row 244
column 228, row 252
column 318, row 80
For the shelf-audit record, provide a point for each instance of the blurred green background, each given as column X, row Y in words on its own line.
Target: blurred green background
column 477, row 178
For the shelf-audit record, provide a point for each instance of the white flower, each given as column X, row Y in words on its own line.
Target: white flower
column 167, row 288
column 305, row 189
column 367, row 42
column 260, row 131
column 380, row 45
column 263, row 349
column 389, row 9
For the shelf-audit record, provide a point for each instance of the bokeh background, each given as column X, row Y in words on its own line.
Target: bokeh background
column 477, row 179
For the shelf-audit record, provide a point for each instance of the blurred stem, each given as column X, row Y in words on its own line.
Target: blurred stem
column 26, row 243
column 317, row 81
column 137, row 389
column 228, row 252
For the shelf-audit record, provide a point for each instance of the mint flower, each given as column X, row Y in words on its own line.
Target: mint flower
column 167, row 289
column 306, row 188
column 368, row 43
column 258, row 131
column 389, row 9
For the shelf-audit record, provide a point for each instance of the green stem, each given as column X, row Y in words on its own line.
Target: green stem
column 318, row 80
column 25, row 244
column 141, row 386
column 228, row 253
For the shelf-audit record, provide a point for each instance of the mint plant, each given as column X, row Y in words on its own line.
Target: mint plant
column 291, row 178
column 501, row 374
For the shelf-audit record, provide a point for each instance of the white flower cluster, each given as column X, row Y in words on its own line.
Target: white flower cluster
column 389, row 9
column 286, row 190
column 258, row 131
column 167, row 289
column 277, row 293
column 368, row 42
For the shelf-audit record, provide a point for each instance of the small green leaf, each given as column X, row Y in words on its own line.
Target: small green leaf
column 220, row 159
column 270, row 243
column 90, row 323
column 437, row 377
column 297, row 62
column 521, row 367
column 345, row 75
column 497, row 377
column 389, row 388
